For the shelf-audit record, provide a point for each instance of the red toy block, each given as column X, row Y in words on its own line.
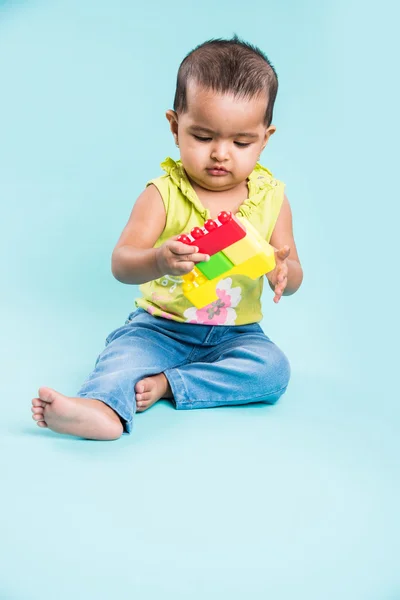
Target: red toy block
column 215, row 235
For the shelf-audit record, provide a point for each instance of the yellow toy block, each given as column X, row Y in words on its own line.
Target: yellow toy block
column 195, row 276
column 201, row 291
column 242, row 250
column 252, row 231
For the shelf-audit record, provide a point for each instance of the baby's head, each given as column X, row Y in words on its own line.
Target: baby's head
column 222, row 114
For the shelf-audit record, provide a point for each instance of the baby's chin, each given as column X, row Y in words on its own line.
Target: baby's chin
column 214, row 183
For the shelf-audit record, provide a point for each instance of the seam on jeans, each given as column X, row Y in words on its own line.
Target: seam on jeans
column 253, row 398
column 177, row 373
column 216, row 352
column 205, row 343
column 210, row 335
column 176, row 367
column 129, row 424
column 183, row 385
column 193, row 350
column 182, row 364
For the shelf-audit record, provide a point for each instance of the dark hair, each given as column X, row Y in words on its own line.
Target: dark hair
column 225, row 66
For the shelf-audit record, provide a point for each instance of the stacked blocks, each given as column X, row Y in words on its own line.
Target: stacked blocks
column 235, row 248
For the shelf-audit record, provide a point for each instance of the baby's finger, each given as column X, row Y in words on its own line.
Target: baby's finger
column 196, row 258
column 277, row 296
column 279, row 289
column 184, row 267
column 180, row 248
column 283, row 253
column 282, row 277
column 283, row 283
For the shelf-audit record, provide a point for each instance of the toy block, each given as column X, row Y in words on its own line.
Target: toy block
column 243, row 249
column 195, row 276
column 253, row 232
column 218, row 264
column 256, row 266
column 216, row 234
column 202, row 292
column 251, row 255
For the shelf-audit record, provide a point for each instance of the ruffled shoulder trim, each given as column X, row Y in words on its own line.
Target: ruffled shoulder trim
column 178, row 176
column 260, row 182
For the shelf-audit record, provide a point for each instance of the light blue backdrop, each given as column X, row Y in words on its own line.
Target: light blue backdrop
column 297, row 501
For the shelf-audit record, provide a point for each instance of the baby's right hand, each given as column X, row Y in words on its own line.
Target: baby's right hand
column 177, row 258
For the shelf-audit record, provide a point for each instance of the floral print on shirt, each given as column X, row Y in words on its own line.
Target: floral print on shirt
column 219, row 312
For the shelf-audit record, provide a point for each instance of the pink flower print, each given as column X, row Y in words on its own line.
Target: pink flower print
column 219, row 312
column 157, row 312
column 160, row 299
column 165, row 315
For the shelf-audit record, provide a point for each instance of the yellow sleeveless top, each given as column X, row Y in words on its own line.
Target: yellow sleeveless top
column 239, row 297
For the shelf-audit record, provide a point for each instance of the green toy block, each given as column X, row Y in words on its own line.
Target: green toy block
column 218, row 264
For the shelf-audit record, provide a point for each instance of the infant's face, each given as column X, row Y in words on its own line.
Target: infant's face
column 212, row 134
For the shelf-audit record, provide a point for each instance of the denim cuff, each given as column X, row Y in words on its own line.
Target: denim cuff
column 178, row 388
column 112, row 403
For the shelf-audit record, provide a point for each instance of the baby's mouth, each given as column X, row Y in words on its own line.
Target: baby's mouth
column 217, row 170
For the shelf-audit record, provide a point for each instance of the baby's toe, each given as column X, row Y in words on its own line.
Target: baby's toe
column 37, row 410
column 139, row 387
column 145, row 385
column 141, row 404
column 38, row 417
column 38, row 402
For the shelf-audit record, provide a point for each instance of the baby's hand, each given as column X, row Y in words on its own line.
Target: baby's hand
column 278, row 276
column 177, row 258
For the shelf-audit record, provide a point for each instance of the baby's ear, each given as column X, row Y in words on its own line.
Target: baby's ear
column 270, row 131
column 172, row 118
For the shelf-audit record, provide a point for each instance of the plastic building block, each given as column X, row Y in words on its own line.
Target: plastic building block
column 242, row 250
column 252, row 232
column 216, row 235
column 201, row 291
column 218, row 264
column 251, row 256
column 195, row 276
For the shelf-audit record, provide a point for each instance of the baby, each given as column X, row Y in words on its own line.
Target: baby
column 167, row 348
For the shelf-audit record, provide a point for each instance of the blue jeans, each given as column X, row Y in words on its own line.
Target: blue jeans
column 206, row 366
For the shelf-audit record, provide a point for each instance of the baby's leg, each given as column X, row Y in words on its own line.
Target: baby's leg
column 243, row 369
column 105, row 404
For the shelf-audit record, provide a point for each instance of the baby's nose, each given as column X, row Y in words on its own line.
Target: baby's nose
column 220, row 153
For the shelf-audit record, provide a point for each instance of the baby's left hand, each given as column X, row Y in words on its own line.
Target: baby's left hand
column 278, row 276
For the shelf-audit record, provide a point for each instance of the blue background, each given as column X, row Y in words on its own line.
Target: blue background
column 299, row 500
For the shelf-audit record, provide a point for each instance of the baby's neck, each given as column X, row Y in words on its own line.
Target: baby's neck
column 226, row 200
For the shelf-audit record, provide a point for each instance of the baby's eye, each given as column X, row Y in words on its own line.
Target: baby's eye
column 202, row 139
column 242, row 144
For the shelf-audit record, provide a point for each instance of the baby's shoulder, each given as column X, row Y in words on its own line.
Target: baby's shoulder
column 263, row 177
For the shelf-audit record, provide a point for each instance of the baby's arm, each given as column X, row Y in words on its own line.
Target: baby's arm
column 286, row 278
column 134, row 258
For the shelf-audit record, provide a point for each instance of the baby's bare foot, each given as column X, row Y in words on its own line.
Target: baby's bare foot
column 151, row 389
column 82, row 417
